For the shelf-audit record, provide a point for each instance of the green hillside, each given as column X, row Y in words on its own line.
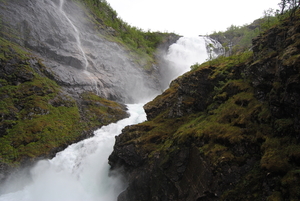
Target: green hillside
column 227, row 130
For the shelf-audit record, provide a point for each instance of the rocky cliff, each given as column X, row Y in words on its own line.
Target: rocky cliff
column 37, row 116
column 78, row 54
column 227, row 130
column 61, row 69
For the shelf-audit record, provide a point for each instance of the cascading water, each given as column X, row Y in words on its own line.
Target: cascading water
column 186, row 52
column 78, row 41
column 81, row 171
column 214, row 48
column 76, row 33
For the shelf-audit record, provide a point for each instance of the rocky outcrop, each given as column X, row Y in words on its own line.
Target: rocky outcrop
column 183, row 96
column 278, row 81
column 227, row 130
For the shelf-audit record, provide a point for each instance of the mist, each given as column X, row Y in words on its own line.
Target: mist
column 80, row 172
column 181, row 55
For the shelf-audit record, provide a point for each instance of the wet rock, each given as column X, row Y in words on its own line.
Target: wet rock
column 75, row 54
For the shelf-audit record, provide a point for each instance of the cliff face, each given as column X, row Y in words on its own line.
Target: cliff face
column 227, row 130
column 37, row 117
column 80, row 53
column 61, row 69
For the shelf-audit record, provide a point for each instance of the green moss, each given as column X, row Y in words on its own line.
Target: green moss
column 10, row 50
column 280, row 154
column 35, row 116
column 238, row 128
column 230, row 122
column 101, row 111
column 217, row 153
column 36, row 120
column 264, row 114
column 221, row 96
column 154, row 136
column 249, row 187
column 274, row 158
column 225, row 65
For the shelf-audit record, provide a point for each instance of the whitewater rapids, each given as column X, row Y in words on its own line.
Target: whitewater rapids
column 81, row 171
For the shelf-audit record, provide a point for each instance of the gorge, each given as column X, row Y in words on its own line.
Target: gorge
column 68, row 50
column 93, row 109
column 226, row 130
column 81, row 171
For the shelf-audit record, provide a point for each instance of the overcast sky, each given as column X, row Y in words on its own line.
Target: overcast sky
column 190, row 17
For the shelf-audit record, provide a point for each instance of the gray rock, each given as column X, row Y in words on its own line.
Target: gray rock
column 77, row 56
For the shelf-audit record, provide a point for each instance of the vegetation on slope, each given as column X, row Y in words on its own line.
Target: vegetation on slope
column 141, row 43
column 237, row 115
column 239, row 38
column 36, row 117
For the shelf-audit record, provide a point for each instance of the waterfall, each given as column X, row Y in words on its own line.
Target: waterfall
column 186, row 52
column 92, row 77
column 76, row 33
column 214, row 48
column 81, row 171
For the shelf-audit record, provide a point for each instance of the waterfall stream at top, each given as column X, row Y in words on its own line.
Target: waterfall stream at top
column 76, row 33
column 186, row 52
column 78, row 41
column 81, row 171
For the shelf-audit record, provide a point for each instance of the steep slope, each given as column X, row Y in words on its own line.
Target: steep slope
column 78, row 54
column 239, row 38
column 37, row 117
column 227, row 130
column 61, row 69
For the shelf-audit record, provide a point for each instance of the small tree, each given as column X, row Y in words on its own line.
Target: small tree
column 210, row 48
column 289, row 6
column 282, row 5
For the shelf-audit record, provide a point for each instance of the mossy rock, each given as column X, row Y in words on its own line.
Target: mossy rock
column 37, row 118
column 100, row 111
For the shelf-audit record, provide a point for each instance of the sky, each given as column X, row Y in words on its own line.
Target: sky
column 190, row 17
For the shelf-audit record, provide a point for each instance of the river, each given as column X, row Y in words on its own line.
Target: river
column 81, row 171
